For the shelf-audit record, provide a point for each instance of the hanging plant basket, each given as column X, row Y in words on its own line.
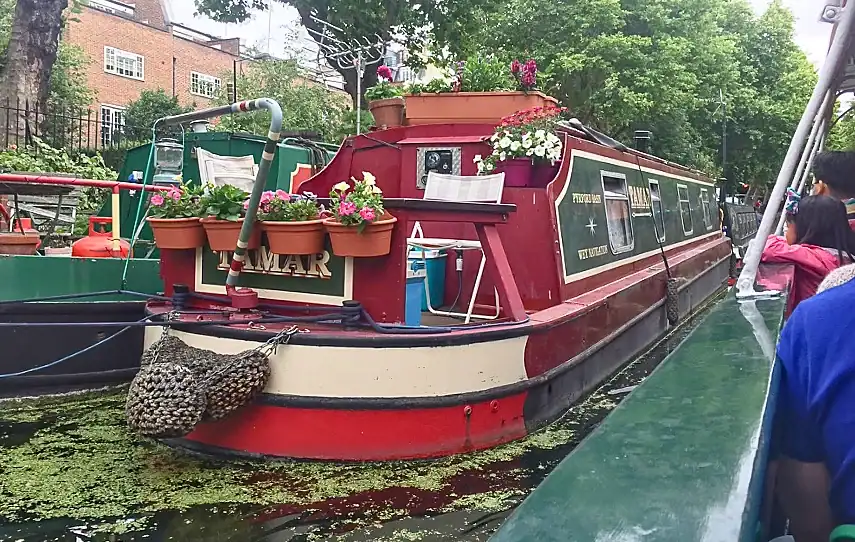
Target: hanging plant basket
column 374, row 240
column 299, row 237
column 177, row 233
column 223, row 234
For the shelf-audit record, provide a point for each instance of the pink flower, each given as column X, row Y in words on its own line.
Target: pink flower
column 266, row 197
column 515, row 67
column 174, row 193
column 157, row 200
column 367, row 214
column 384, row 72
column 346, row 208
column 246, row 204
column 283, row 195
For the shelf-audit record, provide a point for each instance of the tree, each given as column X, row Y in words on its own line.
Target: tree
column 438, row 25
column 305, row 104
column 150, row 106
column 32, row 50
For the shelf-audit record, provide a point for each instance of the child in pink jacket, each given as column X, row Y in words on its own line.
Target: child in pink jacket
column 817, row 241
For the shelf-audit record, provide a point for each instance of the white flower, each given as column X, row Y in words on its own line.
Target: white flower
column 515, row 146
column 540, row 134
column 369, row 179
column 376, row 189
column 539, row 151
column 526, row 143
column 495, row 137
column 341, row 187
column 529, row 152
column 505, row 142
column 552, row 138
column 502, row 157
column 477, row 159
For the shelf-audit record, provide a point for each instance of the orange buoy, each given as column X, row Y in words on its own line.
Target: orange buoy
column 99, row 242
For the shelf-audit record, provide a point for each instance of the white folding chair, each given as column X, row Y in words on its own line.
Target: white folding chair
column 469, row 189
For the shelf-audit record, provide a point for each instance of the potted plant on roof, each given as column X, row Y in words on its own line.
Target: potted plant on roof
column 292, row 222
column 525, row 148
column 174, row 218
column 481, row 91
column 223, row 208
column 360, row 226
column 385, row 100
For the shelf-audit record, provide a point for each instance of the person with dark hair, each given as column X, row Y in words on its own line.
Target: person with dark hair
column 834, row 175
column 817, row 241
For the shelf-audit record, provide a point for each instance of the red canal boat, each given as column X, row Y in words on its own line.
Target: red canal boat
column 581, row 266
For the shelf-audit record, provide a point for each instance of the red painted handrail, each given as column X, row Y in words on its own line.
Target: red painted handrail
column 73, row 181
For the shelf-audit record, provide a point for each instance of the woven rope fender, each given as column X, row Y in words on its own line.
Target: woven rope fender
column 232, row 381
column 165, row 400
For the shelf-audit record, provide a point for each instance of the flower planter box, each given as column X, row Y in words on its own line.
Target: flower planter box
column 223, row 234
column 388, row 113
column 177, row 233
column 470, row 107
column 300, row 238
column 374, row 240
column 523, row 173
column 19, row 244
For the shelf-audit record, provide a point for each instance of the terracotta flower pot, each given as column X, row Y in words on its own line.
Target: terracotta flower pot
column 388, row 113
column 304, row 237
column 177, row 233
column 374, row 240
column 223, row 234
column 19, row 244
column 470, row 107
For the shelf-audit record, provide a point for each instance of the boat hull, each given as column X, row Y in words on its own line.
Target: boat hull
column 29, row 346
column 386, row 399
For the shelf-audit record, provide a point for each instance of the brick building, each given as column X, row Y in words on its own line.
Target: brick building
column 134, row 46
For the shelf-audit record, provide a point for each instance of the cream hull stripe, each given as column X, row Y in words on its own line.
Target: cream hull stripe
column 330, row 371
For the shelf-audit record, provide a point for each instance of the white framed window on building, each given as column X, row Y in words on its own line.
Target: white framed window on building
column 658, row 211
column 123, row 63
column 685, row 209
column 705, row 207
column 618, row 212
column 112, row 125
column 204, row 85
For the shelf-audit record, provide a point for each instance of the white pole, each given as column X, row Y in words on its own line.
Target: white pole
column 827, row 75
column 360, row 71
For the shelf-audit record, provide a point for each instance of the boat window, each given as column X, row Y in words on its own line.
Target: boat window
column 618, row 214
column 685, row 209
column 705, row 207
column 658, row 213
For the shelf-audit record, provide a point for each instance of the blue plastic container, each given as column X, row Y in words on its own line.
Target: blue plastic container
column 415, row 293
column 435, row 262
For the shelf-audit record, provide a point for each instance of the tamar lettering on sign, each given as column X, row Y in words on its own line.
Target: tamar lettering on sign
column 264, row 262
column 639, row 198
column 587, row 198
column 593, row 252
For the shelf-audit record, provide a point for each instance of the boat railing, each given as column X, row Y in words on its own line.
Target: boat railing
column 8, row 182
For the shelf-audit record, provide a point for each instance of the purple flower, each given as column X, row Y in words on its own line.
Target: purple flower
column 516, row 67
column 384, row 72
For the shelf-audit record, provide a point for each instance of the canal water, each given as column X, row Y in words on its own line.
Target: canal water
column 71, row 471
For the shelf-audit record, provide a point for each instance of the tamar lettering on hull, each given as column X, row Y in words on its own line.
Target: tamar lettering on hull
column 587, row 198
column 593, row 252
column 640, row 200
column 264, row 262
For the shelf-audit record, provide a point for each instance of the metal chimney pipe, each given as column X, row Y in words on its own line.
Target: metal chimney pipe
column 642, row 140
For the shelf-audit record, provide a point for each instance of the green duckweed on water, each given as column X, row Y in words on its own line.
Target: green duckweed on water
column 70, row 465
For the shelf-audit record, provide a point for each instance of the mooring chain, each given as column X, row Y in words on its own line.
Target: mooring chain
column 266, row 350
column 156, row 347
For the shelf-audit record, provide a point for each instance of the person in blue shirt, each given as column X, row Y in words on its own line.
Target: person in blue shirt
column 815, row 425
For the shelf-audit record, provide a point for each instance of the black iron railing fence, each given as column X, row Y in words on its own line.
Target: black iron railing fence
column 76, row 130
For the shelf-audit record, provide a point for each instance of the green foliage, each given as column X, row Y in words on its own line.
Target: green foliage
column 434, row 86
column 842, row 135
column 223, row 202
column 485, row 74
column 358, row 205
column 382, row 91
column 305, row 104
column 347, row 126
column 178, row 202
column 68, row 88
column 280, row 206
column 649, row 64
column 150, row 106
